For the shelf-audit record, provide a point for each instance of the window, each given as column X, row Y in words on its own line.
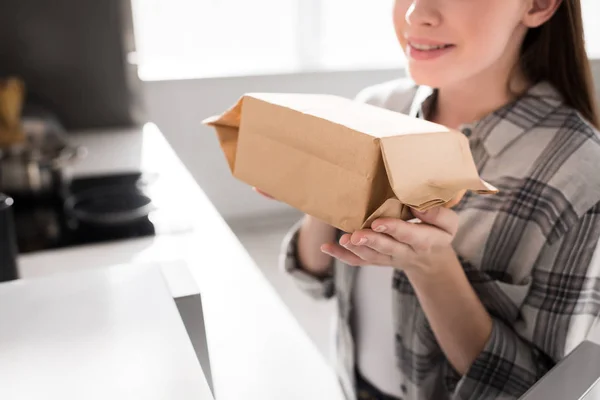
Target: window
column 358, row 34
column 205, row 38
column 195, row 38
column 202, row 38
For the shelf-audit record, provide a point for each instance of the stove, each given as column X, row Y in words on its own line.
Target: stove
column 45, row 223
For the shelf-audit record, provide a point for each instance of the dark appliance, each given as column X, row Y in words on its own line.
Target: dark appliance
column 8, row 245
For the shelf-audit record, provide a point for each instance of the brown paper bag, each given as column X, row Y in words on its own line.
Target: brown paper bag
column 344, row 162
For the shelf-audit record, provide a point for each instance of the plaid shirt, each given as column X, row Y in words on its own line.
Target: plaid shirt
column 529, row 252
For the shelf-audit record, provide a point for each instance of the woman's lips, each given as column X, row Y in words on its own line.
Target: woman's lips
column 422, row 51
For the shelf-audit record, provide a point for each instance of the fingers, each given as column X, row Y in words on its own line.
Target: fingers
column 355, row 254
column 364, row 252
column 382, row 244
column 392, row 240
column 342, row 254
column 440, row 217
column 420, row 237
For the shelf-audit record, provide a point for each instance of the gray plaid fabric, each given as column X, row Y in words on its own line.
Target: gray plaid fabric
column 529, row 252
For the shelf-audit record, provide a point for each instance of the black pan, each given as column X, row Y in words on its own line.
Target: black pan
column 109, row 207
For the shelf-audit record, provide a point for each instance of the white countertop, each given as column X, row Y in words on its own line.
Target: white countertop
column 97, row 334
column 257, row 348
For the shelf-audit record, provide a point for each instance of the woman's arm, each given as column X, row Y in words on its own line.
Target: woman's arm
column 457, row 317
column 303, row 260
column 494, row 360
column 561, row 308
column 313, row 234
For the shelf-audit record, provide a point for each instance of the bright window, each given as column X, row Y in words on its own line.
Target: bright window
column 358, row 34
column 203, row 38
column 199, row 38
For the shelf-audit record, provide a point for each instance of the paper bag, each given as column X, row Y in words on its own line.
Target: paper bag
column 342, row 161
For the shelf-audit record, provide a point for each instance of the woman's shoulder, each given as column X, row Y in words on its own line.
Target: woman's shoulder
column 565, row 151
column 576, row 138
column 396, row 95
column 576, row 147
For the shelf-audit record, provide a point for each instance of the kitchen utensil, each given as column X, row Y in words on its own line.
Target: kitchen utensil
column 12, row 94
column 41, row 165
column 37, row 171
column 8, row 241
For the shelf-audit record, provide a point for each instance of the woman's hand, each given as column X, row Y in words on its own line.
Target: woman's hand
column 421, row 245
column 423, row 250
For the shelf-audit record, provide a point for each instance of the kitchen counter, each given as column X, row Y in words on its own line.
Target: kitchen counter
column 257, row 349
column 98, row 334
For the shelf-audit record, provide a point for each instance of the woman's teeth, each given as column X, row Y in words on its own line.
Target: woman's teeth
column 425, row 47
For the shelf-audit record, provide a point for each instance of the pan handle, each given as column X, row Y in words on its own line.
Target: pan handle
column 69, row 155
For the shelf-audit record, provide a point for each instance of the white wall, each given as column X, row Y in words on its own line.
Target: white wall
column 596, row 73
column 178, row 107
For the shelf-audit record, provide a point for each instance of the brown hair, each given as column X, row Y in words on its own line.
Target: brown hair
column 555, row 52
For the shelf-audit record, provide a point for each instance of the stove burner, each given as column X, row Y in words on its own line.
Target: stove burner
column 115, row 206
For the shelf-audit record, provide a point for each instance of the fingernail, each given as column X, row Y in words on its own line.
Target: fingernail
column 380, row 228
column 362, row 241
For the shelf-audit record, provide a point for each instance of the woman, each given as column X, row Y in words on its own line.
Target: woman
column 478, row 302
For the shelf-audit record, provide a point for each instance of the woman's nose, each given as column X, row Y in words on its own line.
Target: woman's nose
column 423, row 12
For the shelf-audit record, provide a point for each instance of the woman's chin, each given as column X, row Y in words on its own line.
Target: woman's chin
column 426, row 77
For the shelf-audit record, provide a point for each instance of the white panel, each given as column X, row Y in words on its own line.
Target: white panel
column 591, row 14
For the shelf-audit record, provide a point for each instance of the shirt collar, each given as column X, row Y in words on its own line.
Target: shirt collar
column 502, row 127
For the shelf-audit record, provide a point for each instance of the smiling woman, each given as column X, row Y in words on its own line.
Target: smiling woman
column 481, row 301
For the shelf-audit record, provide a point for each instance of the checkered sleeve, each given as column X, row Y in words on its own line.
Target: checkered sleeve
column 561, row 307
column 318, row 288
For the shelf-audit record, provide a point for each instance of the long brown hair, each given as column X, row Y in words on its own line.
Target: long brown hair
column 555, row 52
